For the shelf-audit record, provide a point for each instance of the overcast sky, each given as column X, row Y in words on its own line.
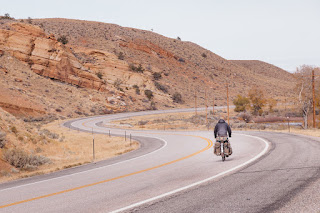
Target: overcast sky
column 285, row 33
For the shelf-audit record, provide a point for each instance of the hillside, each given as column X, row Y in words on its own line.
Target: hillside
column 263, row 68
column 105, row 68
column 99, row 56
column 181, row 63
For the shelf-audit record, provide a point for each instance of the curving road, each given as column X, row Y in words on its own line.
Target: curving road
column 177, row 172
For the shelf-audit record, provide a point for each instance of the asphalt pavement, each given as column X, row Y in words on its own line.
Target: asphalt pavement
column 177, row 172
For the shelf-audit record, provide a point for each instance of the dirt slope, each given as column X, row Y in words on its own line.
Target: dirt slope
column 184, row 63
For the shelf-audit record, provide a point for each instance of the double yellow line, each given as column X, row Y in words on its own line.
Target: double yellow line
column 210, row 143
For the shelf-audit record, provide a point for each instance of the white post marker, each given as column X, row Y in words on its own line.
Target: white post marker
column 93, row 154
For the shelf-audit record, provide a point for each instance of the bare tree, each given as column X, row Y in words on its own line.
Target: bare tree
column 303, row 76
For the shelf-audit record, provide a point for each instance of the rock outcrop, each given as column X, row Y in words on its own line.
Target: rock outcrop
column 46, row 56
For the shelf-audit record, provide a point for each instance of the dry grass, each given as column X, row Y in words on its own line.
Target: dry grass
column 188, row 121
column 75, row 149
column 308, row 132
column 78, row 145
column 174, row 121
column 182, row 121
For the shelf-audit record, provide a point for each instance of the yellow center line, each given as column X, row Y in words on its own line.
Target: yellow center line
column 116, row 178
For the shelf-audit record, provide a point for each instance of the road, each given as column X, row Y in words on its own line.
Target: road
column 177, row 172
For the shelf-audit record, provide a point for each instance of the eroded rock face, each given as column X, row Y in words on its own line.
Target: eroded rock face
column 46, row 56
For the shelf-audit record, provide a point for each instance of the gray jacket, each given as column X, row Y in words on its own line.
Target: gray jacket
column 222, row 129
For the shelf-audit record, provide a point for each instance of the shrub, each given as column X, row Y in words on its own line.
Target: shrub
column 99, row 75
column 20, row 159
column 149, row 94
column 181, row 60
column 241, row 103
column 29, row 20
column 138, row 69
column 141, row 123
column 245, row 116
column 271, row 104
column 157, row 76
column 14, row 130
column 6, row 16
column 63, row 39
column 117, row 83
column 204, row 55
column 153, row 105
column 178, row 38
column 2, row 139
column 161, row 87
column 177, row 97
column 121, row 56
column 137, row 89
column 49, row 134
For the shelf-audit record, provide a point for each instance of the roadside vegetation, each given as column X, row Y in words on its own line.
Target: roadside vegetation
column 28, row 149
column 63, row 39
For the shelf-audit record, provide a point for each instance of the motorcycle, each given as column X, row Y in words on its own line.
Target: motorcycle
column 223, row 146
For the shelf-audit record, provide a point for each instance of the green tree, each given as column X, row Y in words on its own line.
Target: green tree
column 241, row 103
column 257, row 100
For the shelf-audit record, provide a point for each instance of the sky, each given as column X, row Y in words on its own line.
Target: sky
column 285, row 33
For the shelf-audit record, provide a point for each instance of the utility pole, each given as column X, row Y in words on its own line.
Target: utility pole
column 228, row 103
column 195, row 100
column 313, row 101
column 285, row 105
column 205, row 95
column 213, row 105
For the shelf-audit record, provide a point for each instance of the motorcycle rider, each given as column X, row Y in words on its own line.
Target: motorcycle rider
column 222, row 129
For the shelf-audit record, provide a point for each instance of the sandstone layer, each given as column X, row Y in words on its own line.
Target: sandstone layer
column 46, row 56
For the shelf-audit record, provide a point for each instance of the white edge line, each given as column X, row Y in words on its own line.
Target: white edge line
column 199, row 182
column 90, row 170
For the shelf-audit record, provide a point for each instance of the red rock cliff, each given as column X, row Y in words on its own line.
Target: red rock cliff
column 46, row 56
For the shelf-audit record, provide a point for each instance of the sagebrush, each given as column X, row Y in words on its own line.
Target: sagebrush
column 22, row 160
